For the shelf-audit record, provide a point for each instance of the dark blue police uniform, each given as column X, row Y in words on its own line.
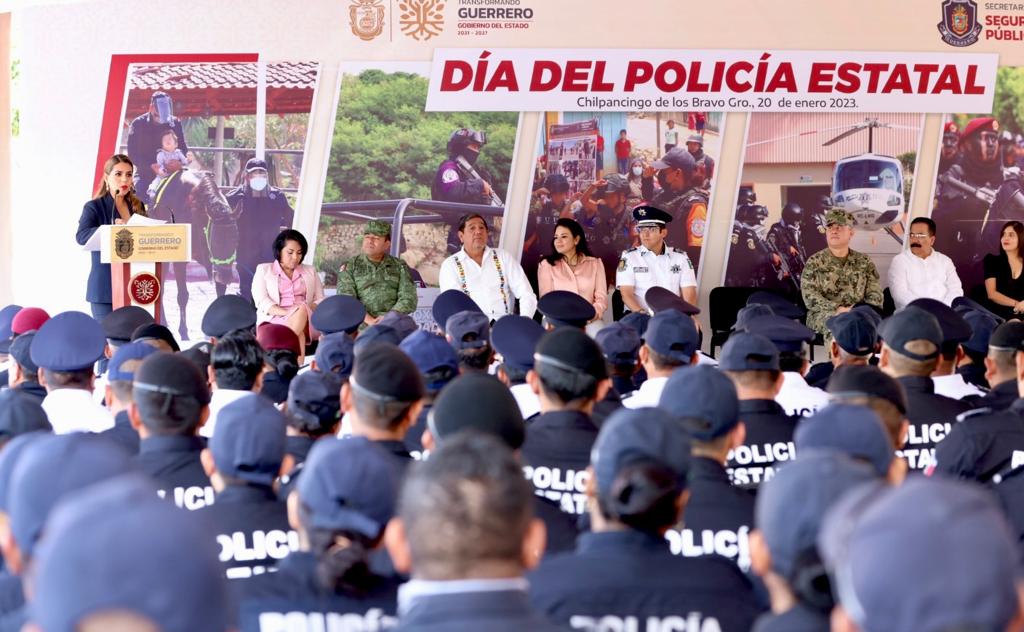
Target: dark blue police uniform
column 298, row 447
column 931, row 417
column 1000, row 397
column 983, row 444
column 556, row 455
column 252, row 529
column 492, row 610
column 768, row 443
column 719, row 516
column 173, row 464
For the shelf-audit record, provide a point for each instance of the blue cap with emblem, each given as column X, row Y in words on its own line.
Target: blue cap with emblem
column 248, row 440
column 469, row 329
column 335, row 353
column 982, row 325
column 747, row 314
column 748, row 352
column 7, row 315
column 645, row 215
column 117, row 370
column 433, row 356
column 659, row 299
column 228, row 313
column 787, row 335
column 450, row 302
column 566, row 309
column 912, row 332
column 854, row 430
column 641, row 435
column 853, row 332
column 340, row 312
column 781, row 306
column 673, row 335
column 954, row 328
column 619, row 342
column 70, row 341
column 314, row 402
column 515, row 338
column 704, row 399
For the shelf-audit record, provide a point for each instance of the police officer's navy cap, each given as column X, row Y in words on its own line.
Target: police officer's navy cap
column 7, row 315
column 336, row 353
column 20, row 413
column 868, row 311
column 255, row 163
column 515, row 338
column 172, row 375
column 340, row 312
column 748, row 352
column 747, row 314
column 378, row 227
column 468, row 329
column 1008, row 337
column 571, row 350
column 378, row 333
column 314, row 397
column 949, row 531
column 619, row 342
column 117, row 371
column 451, row 302
column 142, row 555
column 645, row 215
column 248, row 440
column 230, row 312
column 479, row 402
column 404, row 324
column 676, row 158
column 12, row 451
column 853, row 332
column 348, row 484
column 695, row 138
column 704, row 398
column 954, row 327
column 912, row 332
column 156, row 331
column 28, row 319
column 640, row 435
column 70, row 341
column 659, row 299
column 119, row 324
column 564, row 308
column 781, row 306
column 638, row 321
column 430, row 352
column 788, row 335
column 384, row 374
column 21, row 351
column 962, row 304
column 982, row 325
column 673, row 335
column 54, row 468
column 852, row 381
column 792, row 505
column 856, row 431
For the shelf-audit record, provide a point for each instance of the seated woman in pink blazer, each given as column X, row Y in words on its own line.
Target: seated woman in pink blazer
column 286, row 291
column 571, row 267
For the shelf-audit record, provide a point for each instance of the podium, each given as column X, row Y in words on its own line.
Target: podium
column 136, row 254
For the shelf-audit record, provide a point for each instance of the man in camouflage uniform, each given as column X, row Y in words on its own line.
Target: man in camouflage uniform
column 837, row 278
column 381, row 282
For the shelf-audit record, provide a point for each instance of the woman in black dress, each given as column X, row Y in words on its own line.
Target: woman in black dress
column 1004, row 282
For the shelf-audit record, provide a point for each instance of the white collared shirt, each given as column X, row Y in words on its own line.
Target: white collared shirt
column 483, row 282
column 220, row 398
column 954, row 386
column 647, row 395
column 911, row 278
column 799, row 398
column 529, row 403
column 413, row 589
column 641, row 269
column 73, row 410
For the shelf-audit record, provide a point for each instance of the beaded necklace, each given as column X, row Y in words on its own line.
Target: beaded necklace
column 501, row 277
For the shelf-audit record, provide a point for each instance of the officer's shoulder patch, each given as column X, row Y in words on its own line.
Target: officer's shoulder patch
column 449, row 175
column 750, row 244
column 622, row 265
column 977, row 412
column 735, row 238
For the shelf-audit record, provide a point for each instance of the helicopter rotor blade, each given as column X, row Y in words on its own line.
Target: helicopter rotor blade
column 845, row 134
column 800, row 135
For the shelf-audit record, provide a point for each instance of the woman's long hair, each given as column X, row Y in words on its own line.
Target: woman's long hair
column 1018, row 228
column 134, row 203
column 577, row 231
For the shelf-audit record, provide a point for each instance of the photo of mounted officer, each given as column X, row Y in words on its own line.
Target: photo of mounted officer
column 209, row 153
column 413, row 174
column 595, row 168
column 979, row 196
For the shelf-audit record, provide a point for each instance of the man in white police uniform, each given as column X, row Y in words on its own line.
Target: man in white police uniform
column 490, row 276
column 654, row 263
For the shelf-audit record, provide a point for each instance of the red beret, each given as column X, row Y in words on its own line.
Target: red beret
column 978, row 125
column 272, row 336
column 950, row 128
column 27, row 319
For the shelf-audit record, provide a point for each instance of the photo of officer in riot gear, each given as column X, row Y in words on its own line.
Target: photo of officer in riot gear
column 755, row 264
column 145, row 140
column 786, row 241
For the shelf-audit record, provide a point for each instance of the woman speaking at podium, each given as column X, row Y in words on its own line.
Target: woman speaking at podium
column 114, row 203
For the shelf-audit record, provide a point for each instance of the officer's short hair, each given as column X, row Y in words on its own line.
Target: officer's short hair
column 290, row 235
column 906, row 365
column 468, row 216
column 792, row 361
column 662, row 362
column 379, row 415
column 26, row 375
column 758, row 379
column 1005, row 361
column 515, row 374
column 68, row 379
column 621, row 370
column 122, row 390
column 468, row 503
column 237, row 360
column 927, row 221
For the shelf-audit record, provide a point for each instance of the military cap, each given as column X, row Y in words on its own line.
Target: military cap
column 978, row 125
column 335, row 353
column 1008, row 337
column 556, row 183
column 314, row 399
column 21, row 351
column 119, row 324
column 853, row 332
column 616, row 183
column 274, row 337
column 566, row 309
column 142, row 555
column 255, row 163
column 856, row 431
column 28, row 319
column 340, row 312
column 156, row 331
column 852, row 381
column 950, row 128
column 781, row 306
column 334, row 491
column 70, row 341
column 479, row 402
column 378, row 227
column 171, row 375
column 912, row 326
column 748, row 352
column 787, row 335
column 515, row 338
column 704, row 398
column 792, row 505
column 659, row 299
column 404, row 324
column 449, row 302
column 619, row 342
column 982, row 325
column 468, row 330
column 116, row 371
column 230, row 312
column 650, row 216
column 954, row 328
column 747, row 314
column 673, row 335
column 638, row 321
column 936, row 528
column 676, row 158
column 384, row 374
column 9, row 457
column 20, row 413
column 631, row 436
column 248, row 440
column 376, row 333
column 695, row 138
column 838, row 217
column 54, row 468
column 570, row 350
column 432, row 355
column 7, row 315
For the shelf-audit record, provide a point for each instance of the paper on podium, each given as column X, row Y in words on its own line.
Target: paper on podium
column 142, row 220
column 102, row 233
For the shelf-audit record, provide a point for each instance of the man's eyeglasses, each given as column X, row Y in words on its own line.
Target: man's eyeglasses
column 919, row 235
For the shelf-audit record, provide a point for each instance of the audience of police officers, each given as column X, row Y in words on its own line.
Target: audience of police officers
column 350, row 471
